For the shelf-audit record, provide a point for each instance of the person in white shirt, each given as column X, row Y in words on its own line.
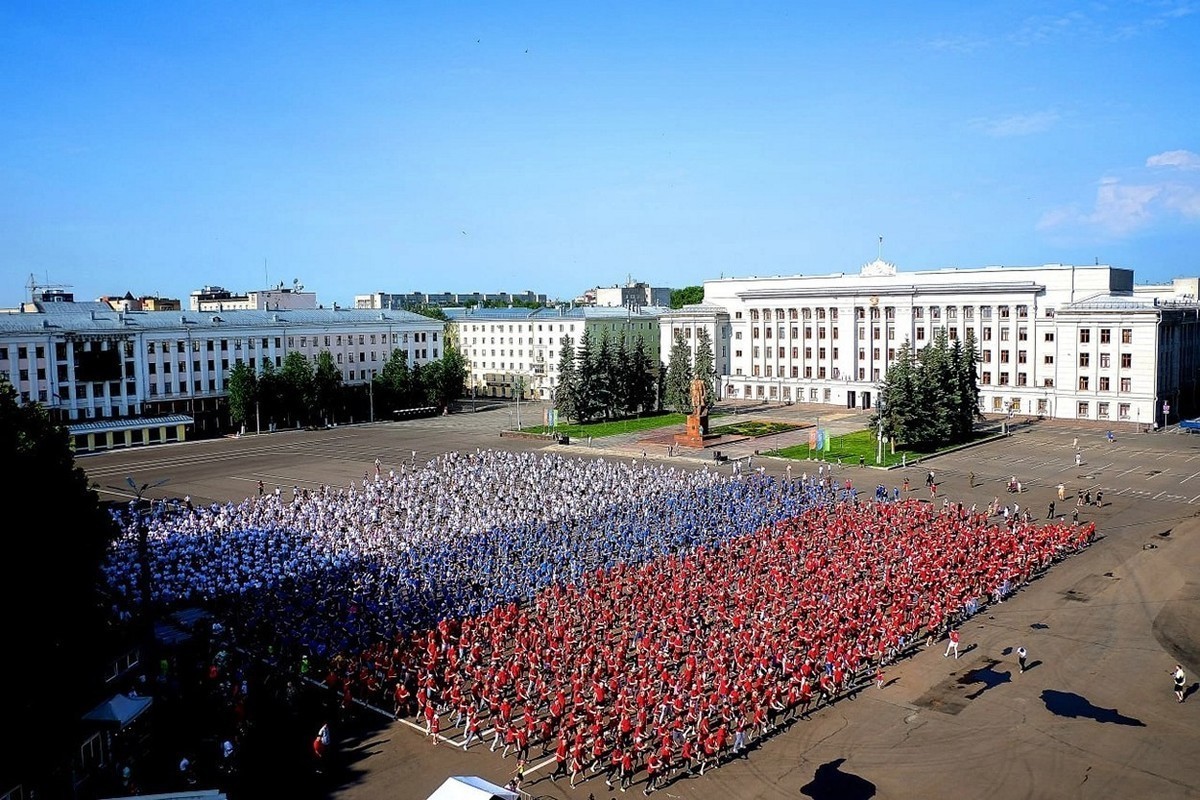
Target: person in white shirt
column 1022, row 654
column 1180, row 680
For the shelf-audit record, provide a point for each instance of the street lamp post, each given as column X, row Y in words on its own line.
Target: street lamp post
column 879, row 453
column 371, row 393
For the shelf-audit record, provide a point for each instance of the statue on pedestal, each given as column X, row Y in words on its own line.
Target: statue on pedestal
column 698, row 419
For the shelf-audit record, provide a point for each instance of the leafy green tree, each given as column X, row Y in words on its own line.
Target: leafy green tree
column 242, row 393
column 687, row 296
column 568, row 380
column 703, row 362
column 56, row 629
column 393, row 381
column 679, row 377
column 327, row 386
column 433, row 312
column 271, row 394
column 450, row 376
column 297, row 378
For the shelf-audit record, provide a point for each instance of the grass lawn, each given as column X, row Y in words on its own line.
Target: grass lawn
column 849, row 448
column 754, row 428
column 598, row 430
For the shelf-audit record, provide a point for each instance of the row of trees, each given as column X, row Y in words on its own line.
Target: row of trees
column 301, row 392
column 682, row 368
column 931, row 398
column 606, row 379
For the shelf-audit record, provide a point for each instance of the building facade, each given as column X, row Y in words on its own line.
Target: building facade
column 392, row 300
column 278, row 298
column 1060, row 341
column 118, row 378
column 515, row 352
column 632, row 295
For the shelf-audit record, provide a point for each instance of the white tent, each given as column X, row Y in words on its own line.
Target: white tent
column 119, row 710
column 470, row 787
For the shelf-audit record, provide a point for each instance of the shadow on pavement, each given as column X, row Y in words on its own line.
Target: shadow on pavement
column 830, row 783
column 1069, row 704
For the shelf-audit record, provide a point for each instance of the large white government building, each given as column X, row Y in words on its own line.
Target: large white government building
column 122, row 378
column 1061, row 341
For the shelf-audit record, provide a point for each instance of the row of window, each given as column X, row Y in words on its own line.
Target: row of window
column 1020, row 311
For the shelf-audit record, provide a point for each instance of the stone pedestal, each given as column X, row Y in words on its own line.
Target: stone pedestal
column 697, row 434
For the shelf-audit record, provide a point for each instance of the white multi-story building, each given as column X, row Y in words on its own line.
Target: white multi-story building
column 633, row 294
column 1062, row 341
column 515, row 352
column 277, row 298
column 121, row 378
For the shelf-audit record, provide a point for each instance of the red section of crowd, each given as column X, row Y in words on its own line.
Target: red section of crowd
column 682, row 661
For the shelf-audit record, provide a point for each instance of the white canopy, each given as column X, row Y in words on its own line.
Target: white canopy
column 470, row 787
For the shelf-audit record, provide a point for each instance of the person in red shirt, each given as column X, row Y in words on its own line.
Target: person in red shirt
column 653, row 772
column 626, row 769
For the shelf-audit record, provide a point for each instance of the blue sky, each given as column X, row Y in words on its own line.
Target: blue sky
column 404, row 146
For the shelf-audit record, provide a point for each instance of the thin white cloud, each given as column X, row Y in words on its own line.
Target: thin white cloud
column 1121, row 208
column 1017, row 124
column 1179, row 159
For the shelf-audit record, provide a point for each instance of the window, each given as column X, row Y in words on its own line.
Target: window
column 1085, row 359
column 1022, row 356
column 1105, row 335
column 1126, row 360
column 1126, row 384
column 1022, row 334
column 1081, row 410
column 1004, row 379
column 985, row 376
column 1022, row 312
column 1104, row 359
column 987, row 356
column 987, row 334
column 1126, row 335
column 1104, row 383
column 1022, row 379
column 1047, row 359
column 920, row 334
column 1083, row 383
column 1003, row 311
column 1049, row 336
column 1003, row 356
column 1123, row 410
column 1004, row 334
column 1085, row 335
column 1043, row 406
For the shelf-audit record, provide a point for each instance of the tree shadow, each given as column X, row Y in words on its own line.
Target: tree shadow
column 1069, row 704
column 988, row 675
column 830, row 783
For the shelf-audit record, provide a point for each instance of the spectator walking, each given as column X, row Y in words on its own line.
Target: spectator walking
column 1180, row 679
column 1022, row 654
column 952, row 645
column 1050, row 511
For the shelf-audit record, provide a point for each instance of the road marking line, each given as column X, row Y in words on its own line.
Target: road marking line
column 1160, row 494
column 1188, row 478
column 1126, row 472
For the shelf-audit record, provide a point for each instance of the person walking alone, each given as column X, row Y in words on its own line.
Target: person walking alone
column 1050, row 511
column 952, row 645
column 1180, row 680
column 1022, row 654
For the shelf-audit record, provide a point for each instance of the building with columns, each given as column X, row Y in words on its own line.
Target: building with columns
column 1062, row 341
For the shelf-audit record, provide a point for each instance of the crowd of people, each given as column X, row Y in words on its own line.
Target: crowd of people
column 624, row 616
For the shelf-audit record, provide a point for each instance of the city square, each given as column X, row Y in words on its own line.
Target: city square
column 1093, row 713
